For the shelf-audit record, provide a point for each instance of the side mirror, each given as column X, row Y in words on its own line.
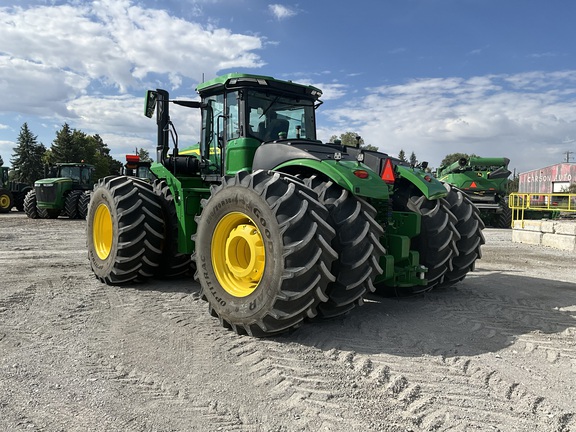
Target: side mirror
column 150, row 103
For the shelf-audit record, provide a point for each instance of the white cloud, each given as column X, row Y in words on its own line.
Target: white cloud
column 122, row 117
column 524, row 117
column 58, row 63
column 37, row 88
column 6, row 149
column 281, row 12
column 118, row 44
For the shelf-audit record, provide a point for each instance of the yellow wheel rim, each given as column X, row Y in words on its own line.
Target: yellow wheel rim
column 238, row 254
column 4, row 201
column 102, row 231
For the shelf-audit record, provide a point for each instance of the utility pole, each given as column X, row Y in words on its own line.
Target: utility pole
column 568, row 153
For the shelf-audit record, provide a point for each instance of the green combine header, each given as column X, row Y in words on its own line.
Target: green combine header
column 485, row 181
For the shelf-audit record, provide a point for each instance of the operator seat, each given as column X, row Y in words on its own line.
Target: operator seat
column 275, row 126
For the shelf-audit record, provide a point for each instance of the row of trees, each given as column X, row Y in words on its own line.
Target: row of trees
column 70, row 145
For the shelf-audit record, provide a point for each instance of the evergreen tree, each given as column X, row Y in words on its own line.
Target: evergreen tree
column 402, row 156
column 413, row 159
column 27, row 158
column 144, row 155
column 514, row 183
column 100, row 157
column 72, row 145
column 1, row 161
column 65, row 147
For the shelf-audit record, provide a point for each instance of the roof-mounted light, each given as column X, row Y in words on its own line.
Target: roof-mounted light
column 239, row 80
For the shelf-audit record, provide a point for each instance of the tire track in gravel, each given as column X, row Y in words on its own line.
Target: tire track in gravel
column 54, row 311
column 296, row 378
column 99, row 312
column 17, row 302
column 287, row 375
column 432, row 387
column 137, row 315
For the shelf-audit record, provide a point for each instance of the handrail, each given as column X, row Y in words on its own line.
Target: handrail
column 555, row 203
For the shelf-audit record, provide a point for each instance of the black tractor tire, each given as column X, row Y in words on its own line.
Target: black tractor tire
column 50, row 213
column 154, row 241
column 71, row 204
column 437, row 241
column 504, row 219
column 83, row 202
column 263, row 253
column 173, row 263
column 30, row 207
column 122, row 230
column 6, row 200
column 19, row 198
column 469, row 226
column 357, row 244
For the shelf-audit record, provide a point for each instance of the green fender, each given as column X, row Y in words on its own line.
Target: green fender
column 342, row 173
column 431, row 187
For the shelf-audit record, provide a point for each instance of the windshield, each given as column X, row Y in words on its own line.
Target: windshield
column 143, row 172
column 70, row 171
column 273, row 117
column 77, row 174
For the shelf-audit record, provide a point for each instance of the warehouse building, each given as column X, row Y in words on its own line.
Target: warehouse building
column 552, row 179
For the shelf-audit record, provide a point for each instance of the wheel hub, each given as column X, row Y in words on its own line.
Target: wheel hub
column 102, row 231
column 4, row 201
column 238, row 254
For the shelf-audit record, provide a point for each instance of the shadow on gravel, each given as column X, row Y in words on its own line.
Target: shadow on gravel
column 184, row 285
column 485, row 313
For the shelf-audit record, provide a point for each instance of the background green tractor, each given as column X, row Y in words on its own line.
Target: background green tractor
column 281, row 227
column 485, row 182
column 62, row 193
column 12, row 193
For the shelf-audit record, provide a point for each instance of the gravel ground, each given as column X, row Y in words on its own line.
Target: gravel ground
column 497, row 352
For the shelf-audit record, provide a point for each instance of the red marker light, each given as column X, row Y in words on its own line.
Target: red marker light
column 388, row 172
column 361, row 174
column 473, row 185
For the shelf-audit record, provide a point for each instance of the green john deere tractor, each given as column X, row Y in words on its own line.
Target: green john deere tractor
column 282, row 228
column 66, row 192
column 485, row 182
column 12, row 193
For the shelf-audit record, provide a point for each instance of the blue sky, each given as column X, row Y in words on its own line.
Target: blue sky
column 490, row 77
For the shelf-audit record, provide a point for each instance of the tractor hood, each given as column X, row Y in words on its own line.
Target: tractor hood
column 52, row 181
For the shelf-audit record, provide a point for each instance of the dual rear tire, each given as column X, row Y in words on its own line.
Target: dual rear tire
column 123, row 239
column 263, row 253
column 267, row 253
column 450, row 239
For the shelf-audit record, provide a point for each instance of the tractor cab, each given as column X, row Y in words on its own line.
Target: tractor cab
column 239, row 113
column 80, row 174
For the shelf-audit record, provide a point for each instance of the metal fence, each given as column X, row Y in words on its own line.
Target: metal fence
column 526, row 205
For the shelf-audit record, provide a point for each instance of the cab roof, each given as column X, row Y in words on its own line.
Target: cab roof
column 239, row 80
